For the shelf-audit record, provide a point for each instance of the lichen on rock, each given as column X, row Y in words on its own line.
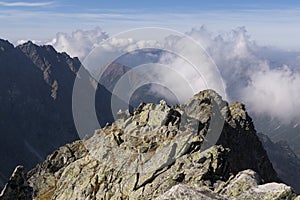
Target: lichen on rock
column 203, row 149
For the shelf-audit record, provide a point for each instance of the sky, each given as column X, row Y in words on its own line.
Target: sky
column 254, row 44
column 273, row 23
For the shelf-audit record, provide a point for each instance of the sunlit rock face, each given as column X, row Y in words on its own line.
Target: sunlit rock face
column 203, row 149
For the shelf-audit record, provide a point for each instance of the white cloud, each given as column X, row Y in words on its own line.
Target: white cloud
column 79, row 43
column 266, row 79
column 25, row 4
column 38, row 42
column 275, row 92
column 256, row 75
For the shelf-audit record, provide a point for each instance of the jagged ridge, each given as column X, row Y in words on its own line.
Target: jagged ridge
column 159, row 149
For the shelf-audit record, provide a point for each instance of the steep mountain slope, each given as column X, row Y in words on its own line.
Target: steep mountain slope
column 278, row 131
column 160, row 152
column 285, row 161
column 36, row 86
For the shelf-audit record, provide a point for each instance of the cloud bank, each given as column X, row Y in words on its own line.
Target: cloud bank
column 266, row 79
column 256, row 75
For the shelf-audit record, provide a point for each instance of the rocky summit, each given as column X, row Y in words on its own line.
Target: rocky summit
column 203, row 149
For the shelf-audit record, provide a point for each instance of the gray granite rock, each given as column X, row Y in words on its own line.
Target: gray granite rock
column 157, row 152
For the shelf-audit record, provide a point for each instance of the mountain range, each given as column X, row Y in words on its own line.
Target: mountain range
column 36, row 119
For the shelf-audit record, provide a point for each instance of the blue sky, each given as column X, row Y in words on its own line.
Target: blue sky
column 268, row 22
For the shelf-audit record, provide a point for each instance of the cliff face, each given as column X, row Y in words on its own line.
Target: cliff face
column 203, row 149
column 36, row 85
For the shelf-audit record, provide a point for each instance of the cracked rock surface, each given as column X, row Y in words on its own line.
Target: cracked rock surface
column 203, row 149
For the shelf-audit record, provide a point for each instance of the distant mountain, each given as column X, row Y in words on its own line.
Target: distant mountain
column 112, row 74
column 278, row 131
column 36, row 84
column 146, row 93
column 284, row 160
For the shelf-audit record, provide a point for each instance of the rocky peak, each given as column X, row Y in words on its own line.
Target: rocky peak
column 46, row 56
column 247, row 152
column 202, row 148
column 5, row 45
column 57, row 68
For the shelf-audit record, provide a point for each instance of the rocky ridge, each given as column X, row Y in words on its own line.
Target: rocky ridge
column 36, row 84
column 203, row 149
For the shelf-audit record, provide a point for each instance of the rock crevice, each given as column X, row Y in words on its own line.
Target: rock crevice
column 203, row 149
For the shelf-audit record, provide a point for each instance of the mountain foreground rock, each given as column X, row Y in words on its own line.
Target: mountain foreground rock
column 203, row 149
